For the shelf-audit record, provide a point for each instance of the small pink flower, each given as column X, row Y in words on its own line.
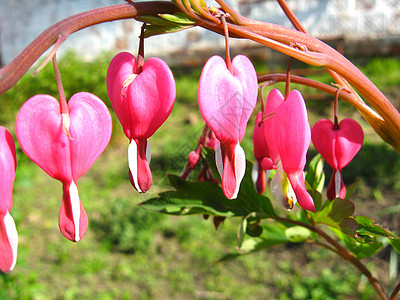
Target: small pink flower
column 41, row 134
column 226, row 100
column 338, row 146
column 142, row 101
column 8, row 231
column 288, row 136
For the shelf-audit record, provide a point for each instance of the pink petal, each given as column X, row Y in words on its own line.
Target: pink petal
column 149, row 97
column 41, row 137
column 261, row 148
column 259, row 177
column 350, row 137
column 8, row 243
column 274, row 100
column 291, row 133
column 234, row 165
column 336, row 187
column 8, row 164
column 324, row 139
column 226, row 99
column 337, row 146
column 90, row 128
column 73, row 221
column 303, row 197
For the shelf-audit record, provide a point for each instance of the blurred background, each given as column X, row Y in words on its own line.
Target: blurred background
column 129, row 253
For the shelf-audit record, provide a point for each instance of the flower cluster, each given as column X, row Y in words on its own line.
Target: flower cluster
column 65, row 139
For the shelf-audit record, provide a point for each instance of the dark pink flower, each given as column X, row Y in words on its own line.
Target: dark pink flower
column 8, row 231
column 142, row 102
column 41, row 134
column 226, row 100
column 288, row 136
column 338, row 146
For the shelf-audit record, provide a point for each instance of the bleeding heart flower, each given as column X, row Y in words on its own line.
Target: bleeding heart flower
column 40, row 132
column 338, row 145
column 142, row 101
column 8, row 231
column 226, row 100
column 288, row 136
column 261, row 151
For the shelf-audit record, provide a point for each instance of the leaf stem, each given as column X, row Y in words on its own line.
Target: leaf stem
column 343, row 252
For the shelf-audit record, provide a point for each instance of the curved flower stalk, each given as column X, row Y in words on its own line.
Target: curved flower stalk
column 227, row 98
column 288, row 136
column 8, row 231
column 41, row 132
column 142, row 98
column 338, row 144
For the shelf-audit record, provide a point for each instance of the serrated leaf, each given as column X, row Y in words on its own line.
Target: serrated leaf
column 367, row 227
column 395, row 243
column 337, row 213
column 360, row 250
column 207, row 198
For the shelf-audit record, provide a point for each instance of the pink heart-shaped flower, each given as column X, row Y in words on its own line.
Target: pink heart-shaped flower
column 40, row 132
column 8, row 231
column 142, row 102
column 338, row 146
column 226, row 100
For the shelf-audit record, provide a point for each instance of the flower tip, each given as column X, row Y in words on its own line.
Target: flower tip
column 8, row 244
column 72, row 221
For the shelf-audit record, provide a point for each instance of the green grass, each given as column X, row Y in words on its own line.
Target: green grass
column 129, row 253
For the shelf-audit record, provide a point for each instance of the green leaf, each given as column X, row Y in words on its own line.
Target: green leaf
column 298, row 234
column 395, row 243
column 367, row 227
column 178, row 18
column 315, row 175
column 337, row 214
column 207, row 198
column 158, row 25
column 273, row 233
column 351, row 189
column 360, row 250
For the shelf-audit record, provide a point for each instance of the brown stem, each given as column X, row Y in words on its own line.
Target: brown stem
column 395, row 292
column 378, row 123
column 343, row 252
column 10, row 74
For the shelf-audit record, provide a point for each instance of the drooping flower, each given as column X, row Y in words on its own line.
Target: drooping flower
column 338, row 145
column 8, row 231
column 261, row 151
column 226, row 100
column 288, row 136
column 142, row 101
column 41, row 134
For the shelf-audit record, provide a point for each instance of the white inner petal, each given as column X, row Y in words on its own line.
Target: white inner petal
column 254, row 173
column 282, row 189
column 338, row 183
column 148, row 152
column 132, row 162
column 240, row 167
column 218, row 159
column 76, row 208
column 12, row 235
